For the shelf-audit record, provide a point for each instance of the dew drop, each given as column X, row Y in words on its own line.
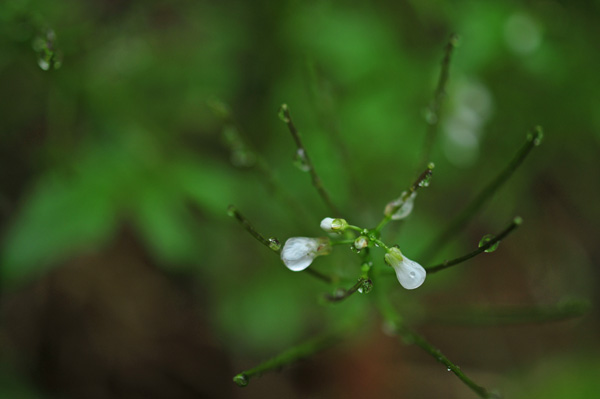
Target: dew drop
column 365, row 287
column 412, row 274
column 448, row 369
column 430, row 116
column 241, row 380
column 282, row 113
column 425, row 182
column 300, row 160
column 274, row 244
column 487, row 238
column 231, row 210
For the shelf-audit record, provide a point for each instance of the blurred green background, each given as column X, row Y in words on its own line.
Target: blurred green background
column 128, row 127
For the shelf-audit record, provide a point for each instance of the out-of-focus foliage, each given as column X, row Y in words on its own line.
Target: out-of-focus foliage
column 121, row 135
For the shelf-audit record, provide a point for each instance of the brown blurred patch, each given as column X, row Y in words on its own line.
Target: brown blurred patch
column 110, row 325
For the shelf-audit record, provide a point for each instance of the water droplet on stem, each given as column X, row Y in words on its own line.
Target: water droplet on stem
column 487, row 238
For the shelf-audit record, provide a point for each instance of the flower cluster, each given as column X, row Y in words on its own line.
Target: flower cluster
column 298, row 253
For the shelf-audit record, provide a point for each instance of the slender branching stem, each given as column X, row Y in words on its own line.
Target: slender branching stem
column 232, row 211
column 512, row 315
column 272, row 243
column 396, row 325
column 239, row 143
column 496, row 239
column 291, row 355
column 450, row 263
column 342, row 294
column 434, row 112
column 409, row 336
column 316, row 180
column 533, row 139
column 418, row 183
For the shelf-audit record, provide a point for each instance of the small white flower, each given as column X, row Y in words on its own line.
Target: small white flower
column 299, row 252
column 410, row 274
column 405, row 208
column 332, row 225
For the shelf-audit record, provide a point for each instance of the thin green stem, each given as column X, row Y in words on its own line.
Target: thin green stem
column 285, row 116
column 272, row 243
column 513, row 315
column 395, row 324
column 409, row 336
column 496, row 239
column 421, row 181
column 242, row 149
column 434, row 114
column 232, row 211
column 342, row 294
column 449, row 263
column 289, row 356
column 342, row 242
column 533, row 139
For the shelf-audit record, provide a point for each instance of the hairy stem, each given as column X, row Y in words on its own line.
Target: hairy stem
column 434, row 114
column 316, row 180
column 533, row 140
column 289, row 356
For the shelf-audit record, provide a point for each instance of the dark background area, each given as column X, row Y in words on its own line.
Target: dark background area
column 127, row 128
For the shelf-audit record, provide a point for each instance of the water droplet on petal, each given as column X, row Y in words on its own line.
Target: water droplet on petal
column 300, row 160
column 487, row 238
column 412, row 274
column 241, row 380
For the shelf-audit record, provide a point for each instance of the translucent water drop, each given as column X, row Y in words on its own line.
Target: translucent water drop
column 518, row 220
column 425, row 182
column 412, row 274
column 354, row 249
column 241, row 380
column 430, row 116
column 274, row 244
column 454, row 40
column 300, row 160
column 365, row 287
column 537, row 137
column 231, row 211
column 448, row 369
column 487, row 238
column 43, row 62
column 283, row 113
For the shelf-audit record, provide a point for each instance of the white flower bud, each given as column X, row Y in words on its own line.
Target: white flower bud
column 410, row 274
column 299, row 252
column 332, row 225
column 405, row 208
column 361, row 242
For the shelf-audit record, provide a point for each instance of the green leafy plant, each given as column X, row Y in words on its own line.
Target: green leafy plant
column 298, row 253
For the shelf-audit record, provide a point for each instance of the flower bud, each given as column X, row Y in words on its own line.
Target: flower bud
column 361, row 242
column 299, row 252
column 410, row 274
column 402, row 208
column 332, row 225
